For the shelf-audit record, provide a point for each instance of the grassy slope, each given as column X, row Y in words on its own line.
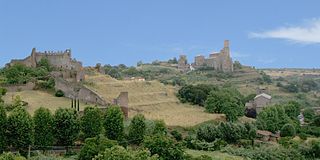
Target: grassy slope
column 37, row 99
column 153, row 99
column 215, row 155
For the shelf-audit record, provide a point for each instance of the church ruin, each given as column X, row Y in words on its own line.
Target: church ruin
column 220, row 61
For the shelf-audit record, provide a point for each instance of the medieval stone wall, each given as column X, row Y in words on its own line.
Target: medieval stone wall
column 75, row 91
column 219, row 61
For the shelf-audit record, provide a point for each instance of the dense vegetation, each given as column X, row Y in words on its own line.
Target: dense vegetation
column 215, row 99
column 19, row 74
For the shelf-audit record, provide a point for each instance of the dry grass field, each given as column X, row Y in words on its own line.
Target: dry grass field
column 153, row 99
column 37, row 99
column 291, row 72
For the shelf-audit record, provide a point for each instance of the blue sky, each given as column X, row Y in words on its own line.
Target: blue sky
column 264, row 34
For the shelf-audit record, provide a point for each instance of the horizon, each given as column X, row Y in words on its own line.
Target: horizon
column 126, row 32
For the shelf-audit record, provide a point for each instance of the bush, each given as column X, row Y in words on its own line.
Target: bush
column 94, row 146
column 11, row 156
column 59, row 93
column 288, row 130
column 3, row 126
column 266, row 153
column 177, row 135
column 163, row 146
column 120, row 153
column 229, row 132
column 3, row 91
column 309, row 114
column 159, row 127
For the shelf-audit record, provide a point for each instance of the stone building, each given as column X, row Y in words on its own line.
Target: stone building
column 61, row 60
column 259, row 102
column 220, row 61
column 183, row 63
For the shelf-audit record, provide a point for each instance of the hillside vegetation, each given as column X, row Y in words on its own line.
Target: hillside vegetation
column 151, row 98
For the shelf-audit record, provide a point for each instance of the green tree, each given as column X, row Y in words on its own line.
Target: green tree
column 292, row 109
column 160, row 127
column 309, row 114
column 287, row 130
column 316, row 121
column 272, row 118
column 225, row 101
column 18, row 74
column 91, row 122
column 164, row 146
column 113, row 123
column 137, row 129
column 11, row 156
column 3, row 126
column 66, row 126
column 44, row 62
column 94, row 146
column 43, row 127
column 20, row 129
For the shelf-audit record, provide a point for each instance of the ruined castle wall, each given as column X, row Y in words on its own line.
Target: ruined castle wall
column 78, row 91
column 57, row 60
column 17, row 88
column 123, row 101
column 27, row 62
column 87, row 95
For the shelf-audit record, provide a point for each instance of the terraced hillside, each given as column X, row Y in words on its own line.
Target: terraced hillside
column 152, row 98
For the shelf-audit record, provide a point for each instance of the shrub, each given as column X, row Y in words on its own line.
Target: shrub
column 229, row 132
column 159, row 127
column 308, row 114
column 11, row 156
column 59, row 93
column 94, row 146
column 3, row 126
column 163, row 146
column 316, row 121
column 3, row 91
column 265, row 153
column 137, row 129
column 177, row 135
column 288, row 130
column 120, row 153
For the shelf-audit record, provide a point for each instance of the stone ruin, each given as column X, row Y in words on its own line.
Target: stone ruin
column 220, row 61
column 68, row 68
column 68, row 74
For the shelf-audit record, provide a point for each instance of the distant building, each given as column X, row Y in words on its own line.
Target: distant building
column 220, row 61
column 259, row 102
column 183, row 63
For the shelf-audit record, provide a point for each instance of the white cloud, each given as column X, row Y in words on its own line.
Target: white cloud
column 309, row 33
